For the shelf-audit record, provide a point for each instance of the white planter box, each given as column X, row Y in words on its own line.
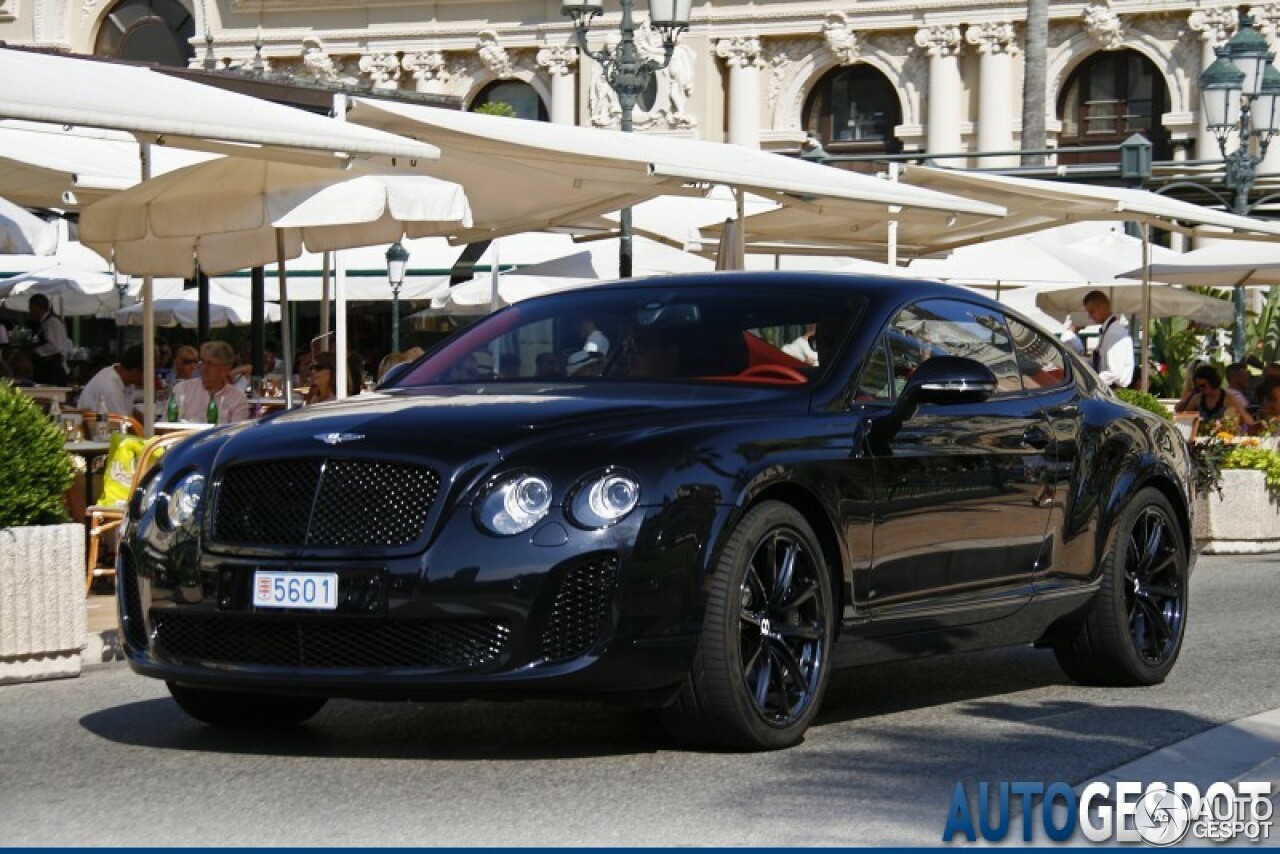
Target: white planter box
column 42, row 602
column 1242, row 521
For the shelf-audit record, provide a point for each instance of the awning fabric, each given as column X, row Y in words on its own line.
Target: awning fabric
column 43, row 165
column 75, row 91
column 528, row 176
column 1221, row 265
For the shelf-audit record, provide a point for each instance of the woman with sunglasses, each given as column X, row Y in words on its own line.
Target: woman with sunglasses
column 1211, row 400
column 185, row 360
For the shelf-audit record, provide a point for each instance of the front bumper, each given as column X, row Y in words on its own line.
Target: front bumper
column 556, row 611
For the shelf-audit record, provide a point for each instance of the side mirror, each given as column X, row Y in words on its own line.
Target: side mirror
column 946, row 380
column 394, row 373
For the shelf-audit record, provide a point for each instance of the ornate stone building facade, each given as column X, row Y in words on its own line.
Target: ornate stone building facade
column 859, row 75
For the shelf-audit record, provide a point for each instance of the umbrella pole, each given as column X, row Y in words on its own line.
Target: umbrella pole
column 325, row 292
column 148, row 324
column 340, row 326
column 286, row 339
column 1146, row 306
column 740, row 242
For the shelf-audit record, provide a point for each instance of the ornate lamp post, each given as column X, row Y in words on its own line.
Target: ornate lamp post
column 625, row 70
column 1241, row 95
column 397, row 261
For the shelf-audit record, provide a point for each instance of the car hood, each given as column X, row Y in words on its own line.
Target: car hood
column 456, row 422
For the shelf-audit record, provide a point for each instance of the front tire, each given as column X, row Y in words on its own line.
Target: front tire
column 1134, row 630
column 761, row 667
column 244, row 709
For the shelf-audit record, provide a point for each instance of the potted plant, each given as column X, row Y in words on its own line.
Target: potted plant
column 42, row 601
column 1240, row 511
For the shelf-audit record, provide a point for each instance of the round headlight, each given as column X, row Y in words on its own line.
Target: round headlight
column 604, row 499
column 147, row 495
column 184, row 501
column 515, row 504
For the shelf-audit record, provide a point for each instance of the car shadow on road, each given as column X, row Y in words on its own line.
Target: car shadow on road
column 539, row 729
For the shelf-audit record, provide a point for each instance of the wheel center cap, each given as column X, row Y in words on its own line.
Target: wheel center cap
column 766, row 629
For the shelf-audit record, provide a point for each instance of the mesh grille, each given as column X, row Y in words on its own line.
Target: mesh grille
column 297, row 643
column 135, row 632
column 334, row 503
column 580, row 609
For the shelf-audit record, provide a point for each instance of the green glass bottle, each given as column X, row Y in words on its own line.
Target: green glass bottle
column 172, row 411
column 211, row 412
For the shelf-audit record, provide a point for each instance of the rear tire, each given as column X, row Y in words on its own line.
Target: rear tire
column 1134, row 630
column 244, row 709
column 763, row 656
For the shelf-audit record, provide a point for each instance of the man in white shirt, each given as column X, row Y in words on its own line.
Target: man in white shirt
column 216, row 359
column 1113, row 355
column 594, row 341
column 113, row 385
column 50, row 351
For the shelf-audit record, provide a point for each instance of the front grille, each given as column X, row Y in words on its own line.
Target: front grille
column 318, row 644
column 324, row 503
column 580, row 609
column 134, row 631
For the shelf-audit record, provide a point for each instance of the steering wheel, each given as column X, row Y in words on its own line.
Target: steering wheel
column 769, row 370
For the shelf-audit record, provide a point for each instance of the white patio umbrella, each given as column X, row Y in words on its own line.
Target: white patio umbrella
column 596, row 261
column 24, row 233
column 72, row 291
column 224, row 310
column 1126, row 298
column 228, row 214
column 1236, row 263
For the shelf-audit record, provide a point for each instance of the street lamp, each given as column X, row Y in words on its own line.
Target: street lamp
column 397, row 261
column 1241, row 94
column 625, row 71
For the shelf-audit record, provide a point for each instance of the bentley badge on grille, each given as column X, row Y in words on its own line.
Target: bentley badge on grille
column 337, row 438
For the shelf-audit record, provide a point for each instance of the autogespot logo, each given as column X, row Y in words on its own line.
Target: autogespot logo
column 1159, row 814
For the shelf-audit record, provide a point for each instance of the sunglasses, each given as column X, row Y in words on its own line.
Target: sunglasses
column 188, row 361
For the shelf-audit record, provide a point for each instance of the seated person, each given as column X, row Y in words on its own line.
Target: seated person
column 216, row 359
column 1210, row 400
column 112, row 387
column 1269, row 400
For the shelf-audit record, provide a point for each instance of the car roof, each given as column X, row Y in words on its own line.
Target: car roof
column 880, row 290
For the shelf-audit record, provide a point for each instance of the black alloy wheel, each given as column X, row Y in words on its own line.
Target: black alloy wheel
column 1134, row 629
column 762, row 662
column 1154, row 592
column 782, row 629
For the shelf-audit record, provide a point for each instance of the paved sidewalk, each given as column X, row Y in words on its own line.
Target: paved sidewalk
column 103, row 645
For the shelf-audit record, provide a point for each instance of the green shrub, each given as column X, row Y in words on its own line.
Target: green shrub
column 35, row 468
column 496, row 108
column 1144, row 400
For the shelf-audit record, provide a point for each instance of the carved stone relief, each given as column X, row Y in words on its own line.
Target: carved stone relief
column 429, row 69
column 940, row 40
column 1266, row 17
column 383, row 69
column 674, row 87
column 740, row 51
column 1214, row 25
column 1104, row 25
column 840, row 37
column 494, row 55
column 993, row 37
column 558, row 60
column 782, row 57
column 318, row 65
column 8, row 10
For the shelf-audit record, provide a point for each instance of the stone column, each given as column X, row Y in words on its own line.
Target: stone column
column 1215, row 27
column 943, row 43
column 996, row 43
column 742, row 55
column 559, row 62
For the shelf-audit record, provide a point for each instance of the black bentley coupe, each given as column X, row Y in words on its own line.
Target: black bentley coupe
column 700, row 493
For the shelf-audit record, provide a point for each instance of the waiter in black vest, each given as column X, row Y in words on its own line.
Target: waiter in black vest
column 1113, row 355
column 49, row 352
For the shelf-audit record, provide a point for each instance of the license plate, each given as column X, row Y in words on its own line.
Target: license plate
column 309, row 590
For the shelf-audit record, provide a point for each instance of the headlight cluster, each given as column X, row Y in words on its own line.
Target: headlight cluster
column 515, row 503
column 183, row 506
column 145, row 498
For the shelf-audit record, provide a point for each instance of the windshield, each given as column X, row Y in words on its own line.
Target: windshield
column 691, row 334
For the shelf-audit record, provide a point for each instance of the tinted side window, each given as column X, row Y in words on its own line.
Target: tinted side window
column 1040, row 360
column 876, row 382
column 949, row 327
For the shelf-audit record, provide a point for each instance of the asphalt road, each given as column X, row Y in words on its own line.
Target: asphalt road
column 107, row 759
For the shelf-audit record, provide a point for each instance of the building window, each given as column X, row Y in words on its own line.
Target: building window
column 853, row 110
column 516, row 94
column 1110, row 97
column 158, row 31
